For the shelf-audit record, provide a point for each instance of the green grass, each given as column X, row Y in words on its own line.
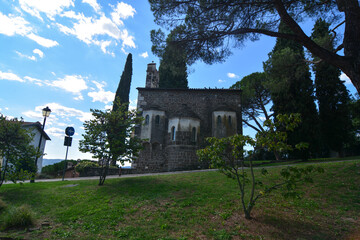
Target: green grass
column 203, row 205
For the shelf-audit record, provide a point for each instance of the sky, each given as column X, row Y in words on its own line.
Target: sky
column 69, row 55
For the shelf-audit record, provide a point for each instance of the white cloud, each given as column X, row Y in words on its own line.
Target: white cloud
column 71, row 83
column 232, row 75
column 42, row 41
column 11, row 25
column 49, row 7
column 122, row 11
column 144, row 55
column 93, row 4
column 55, row 132
column 101, row 95
column 221, row 81
column 38, row 52
column 91, row 29
column 10, row 76
column 35, row 81
column 58, row 111
column 33, row 58
column 133, row 104
column 345, row 78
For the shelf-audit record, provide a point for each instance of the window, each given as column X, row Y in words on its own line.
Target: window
column 229, row 120
column 173, row 133
column 193, row 135
column 157, row 120
column 147, row 119
column 219, row 121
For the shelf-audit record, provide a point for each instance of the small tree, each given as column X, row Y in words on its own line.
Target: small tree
column 227, row 155
column 15, row 150
column 98, row 131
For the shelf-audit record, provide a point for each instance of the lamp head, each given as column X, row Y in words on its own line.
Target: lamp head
column 46, row 112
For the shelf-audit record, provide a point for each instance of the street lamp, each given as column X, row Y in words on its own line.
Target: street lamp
column 46, row 113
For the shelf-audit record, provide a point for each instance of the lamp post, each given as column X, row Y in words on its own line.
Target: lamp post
column 46, row 113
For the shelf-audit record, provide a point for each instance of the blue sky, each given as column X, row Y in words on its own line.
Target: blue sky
column 69, row 55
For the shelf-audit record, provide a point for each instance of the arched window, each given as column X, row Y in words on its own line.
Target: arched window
column 147, row 119
column 193, row 134
column 219, row 121
column 229, row 120
column 173, row 133
column 157, row 120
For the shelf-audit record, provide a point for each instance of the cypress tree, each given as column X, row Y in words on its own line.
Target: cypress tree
column 123, row 90
column 332, row 96
column 292, row 91
column 121, row 98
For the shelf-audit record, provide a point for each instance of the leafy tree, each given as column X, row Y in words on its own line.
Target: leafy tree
column 292, row 90
column 17, row 153
column 332, row 96
column 98, row 132
column 210, row 28
column 226, row 154
column 173, row 69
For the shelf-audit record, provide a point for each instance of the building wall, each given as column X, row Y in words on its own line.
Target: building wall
column 35, row 143
column 184, row 109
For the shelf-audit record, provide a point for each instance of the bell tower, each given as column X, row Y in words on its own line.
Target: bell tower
column 152, row 76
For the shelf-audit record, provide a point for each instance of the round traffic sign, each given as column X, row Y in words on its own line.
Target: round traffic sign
column 69, row 131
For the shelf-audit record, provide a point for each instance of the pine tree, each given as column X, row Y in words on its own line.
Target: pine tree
column 292, row 91
column 332, row 96
column 123, row 89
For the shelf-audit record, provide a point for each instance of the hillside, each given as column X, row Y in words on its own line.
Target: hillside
column 202, row 205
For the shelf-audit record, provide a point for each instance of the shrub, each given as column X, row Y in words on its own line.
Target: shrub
column 85, row 164
column 54, row 169
column 19, row 217
column 2, row 205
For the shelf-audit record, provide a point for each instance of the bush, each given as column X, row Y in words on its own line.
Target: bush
column 3, row 205
column 54, row 169
column 19, row 217
column 85, row 164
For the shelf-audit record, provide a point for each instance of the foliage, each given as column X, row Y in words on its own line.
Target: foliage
column 208, row 29
column 17, row 175
column 56, row 168
column 123, row 90
column 99, row 130
column 255, row 97
column 332, row 96
column 85, row 164
column 19, row 217
column 292, row 91
column 122, row 97
column 173, row 69
column 15, row 147
column 3, row 205
column 227, row 155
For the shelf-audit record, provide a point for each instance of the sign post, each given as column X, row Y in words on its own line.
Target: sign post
column 69, row 131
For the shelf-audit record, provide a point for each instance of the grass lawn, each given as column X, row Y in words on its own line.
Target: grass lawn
column 203, row 205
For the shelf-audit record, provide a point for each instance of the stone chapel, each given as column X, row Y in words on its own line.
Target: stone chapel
column 177, row 121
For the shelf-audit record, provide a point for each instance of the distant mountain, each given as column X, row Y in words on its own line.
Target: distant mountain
column 50, row 161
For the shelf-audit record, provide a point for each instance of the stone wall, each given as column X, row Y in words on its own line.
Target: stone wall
column 198, row 107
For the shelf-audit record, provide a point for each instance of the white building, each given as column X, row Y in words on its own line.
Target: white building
column 36, row 129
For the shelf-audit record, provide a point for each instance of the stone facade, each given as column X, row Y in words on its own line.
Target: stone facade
column 177, row 121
